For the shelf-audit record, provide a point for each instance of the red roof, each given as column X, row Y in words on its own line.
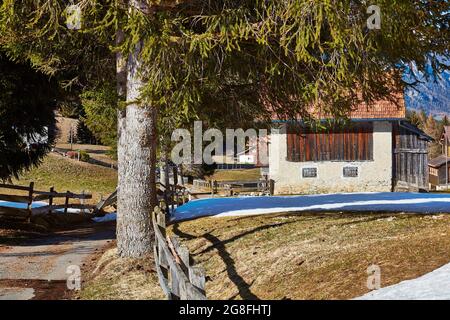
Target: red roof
column 380, row 110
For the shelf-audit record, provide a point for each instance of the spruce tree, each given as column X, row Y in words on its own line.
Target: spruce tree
column 188, row 56
column 27, row 121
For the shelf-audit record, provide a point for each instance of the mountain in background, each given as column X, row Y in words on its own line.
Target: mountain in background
column 432, row 96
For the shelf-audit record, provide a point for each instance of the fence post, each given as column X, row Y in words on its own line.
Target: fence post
column 197, row 278
column 175, row 175
column 50, row 199
column 161, row 222
column 177, row 195
column 66, row 204
column 272, row 187
column 183, row 253
column 213, row 187
column 30, row 201
column 82, row 202
column 172, row 196
column 211, row 184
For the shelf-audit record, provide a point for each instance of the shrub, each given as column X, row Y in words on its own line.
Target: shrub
column 84, row 156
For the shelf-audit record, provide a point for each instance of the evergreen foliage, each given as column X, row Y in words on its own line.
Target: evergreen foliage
column 27, row 120
column 204, row 58
column 100, row 114
column 83, row 134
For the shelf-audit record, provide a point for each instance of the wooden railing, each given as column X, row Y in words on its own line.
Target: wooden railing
column 229, row 188
column 174, row 195
column 111, row 200
column 35, row 195
column 179, row 279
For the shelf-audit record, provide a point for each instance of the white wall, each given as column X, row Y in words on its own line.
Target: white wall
column 374, row 175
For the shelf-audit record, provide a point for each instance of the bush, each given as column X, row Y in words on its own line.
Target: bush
column 84, row 156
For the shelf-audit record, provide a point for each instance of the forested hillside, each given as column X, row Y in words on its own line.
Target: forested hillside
column 431, row 95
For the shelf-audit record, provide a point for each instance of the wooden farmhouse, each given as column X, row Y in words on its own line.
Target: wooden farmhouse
column 377, row 151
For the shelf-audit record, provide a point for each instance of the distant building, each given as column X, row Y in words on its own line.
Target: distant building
column 439, row 168
column 378, row 151
column 445, row 140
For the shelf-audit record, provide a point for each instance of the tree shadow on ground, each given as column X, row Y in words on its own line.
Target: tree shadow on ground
column 220, row 245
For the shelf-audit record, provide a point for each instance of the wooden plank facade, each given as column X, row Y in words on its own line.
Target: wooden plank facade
column 410, row 157
column 351, row 143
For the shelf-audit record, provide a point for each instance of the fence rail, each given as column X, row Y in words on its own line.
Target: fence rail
column 111, row 200
column 263, row 186
column 36, row 195
column 178, row 278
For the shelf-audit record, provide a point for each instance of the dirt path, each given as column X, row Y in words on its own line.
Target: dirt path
column 38, row 268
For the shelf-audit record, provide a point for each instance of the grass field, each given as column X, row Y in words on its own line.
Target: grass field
column 236, row 175
column 288, row 256
column 313, row 256
column 71, row 175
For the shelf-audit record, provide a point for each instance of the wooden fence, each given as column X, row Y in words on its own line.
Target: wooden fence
column 35, row 195
column 179, row 279
column 110, row 201
column 230, row 188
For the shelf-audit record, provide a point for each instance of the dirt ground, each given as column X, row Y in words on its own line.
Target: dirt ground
column 281, row 256
column 313, row 256
column 34, row 264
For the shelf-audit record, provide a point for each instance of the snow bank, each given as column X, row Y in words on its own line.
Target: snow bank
column 17, row 205
column 106, row 218
column 432, row 286
column 384, row 201
column 36, row 204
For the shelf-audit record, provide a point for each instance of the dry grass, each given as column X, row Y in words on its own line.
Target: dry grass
column 96, row 152
column 70, row 175
column 234, row 175
column 122, row 279
column 313, row 256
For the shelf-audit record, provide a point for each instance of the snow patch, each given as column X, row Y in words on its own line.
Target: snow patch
column 106, row 218
column 432, row 286
column 358, row 202
column 17, row 205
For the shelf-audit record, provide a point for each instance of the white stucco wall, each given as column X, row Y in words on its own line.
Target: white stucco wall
column 373, row 175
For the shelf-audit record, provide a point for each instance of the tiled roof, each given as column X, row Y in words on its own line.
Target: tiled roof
column 377, row 110
column 438, row 162
column 380, row 110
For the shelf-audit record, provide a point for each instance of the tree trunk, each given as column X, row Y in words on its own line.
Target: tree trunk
column 137, row 159
column 121, row 77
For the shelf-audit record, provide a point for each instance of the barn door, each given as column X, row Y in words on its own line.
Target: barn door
column 410, row 167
